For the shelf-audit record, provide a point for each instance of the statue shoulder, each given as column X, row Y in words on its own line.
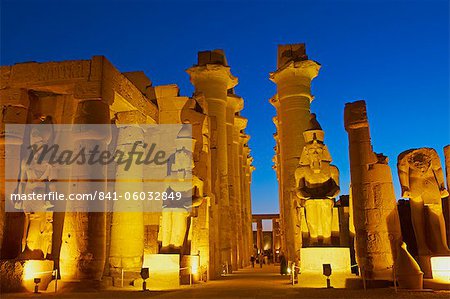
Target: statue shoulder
column 334, row 169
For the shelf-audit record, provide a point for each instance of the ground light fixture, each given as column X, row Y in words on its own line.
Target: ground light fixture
column 37, row 280
column 144, row 276
column 327, row 273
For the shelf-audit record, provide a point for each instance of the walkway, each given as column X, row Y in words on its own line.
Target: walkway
column 247, row 283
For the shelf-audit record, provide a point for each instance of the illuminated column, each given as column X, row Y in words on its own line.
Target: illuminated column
column 127, row 226
column 212, row 77
column 293, row 78
column 83, row 250
column 277, row 168
column 447, row 174
column 14, row 110
column 234, row 104
column 375, row 216
column 275, row 237
column 259, row 235
column 239, row 124
column 248, row 168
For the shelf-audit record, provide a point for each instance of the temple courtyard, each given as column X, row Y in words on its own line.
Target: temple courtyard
column 248, row 283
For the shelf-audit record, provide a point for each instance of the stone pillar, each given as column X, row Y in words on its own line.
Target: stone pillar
column 275, row 237
column 83, row 250
column 234, row 104
column 375, row 216
column 13, row 110
column 244, row 255
column 127, row 226
column 259, row 235
column 293, row 78
column 247, row 194
column 212, row 77
column 447, row 174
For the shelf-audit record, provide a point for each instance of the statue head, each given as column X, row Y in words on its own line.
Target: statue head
column 419, row 161
column 315, row 151
column 42, row 131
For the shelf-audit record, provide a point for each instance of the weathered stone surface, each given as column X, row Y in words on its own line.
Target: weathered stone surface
column 374, row 212
column 292, row 102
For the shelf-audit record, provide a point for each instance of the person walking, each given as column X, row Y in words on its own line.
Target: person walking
column 252, row 260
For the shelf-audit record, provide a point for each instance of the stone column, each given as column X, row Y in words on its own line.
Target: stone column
column 239, row 124
column 127, row 227
column 248, row 168
column 13, row 110
column 447, row 174
column 259, row 235
column 277, row 168
column 275, row 237
column 293, row 78
column 234, row 104
column 83, row 250
column 375, row 216
column 212, row 77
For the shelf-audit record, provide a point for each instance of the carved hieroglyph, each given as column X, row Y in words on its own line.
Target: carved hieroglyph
column 317, row 183
column 375, row 216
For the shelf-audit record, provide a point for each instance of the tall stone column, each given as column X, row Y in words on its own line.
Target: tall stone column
column 239, row 124
column 293, row 78
column 277, row 168
column 447, row 174
column 212, row 77
column 259, row 235
column 83, row 250
column 13, row 110
column 375, row 216
column 248, row 168
column 127, row 227
column 234, row 104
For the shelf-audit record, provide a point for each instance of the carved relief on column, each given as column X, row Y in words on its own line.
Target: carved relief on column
column 127, row 227
column 13, row 110
column 83, row 253
column 293, row 78
column 212, row 77
column 375, row 215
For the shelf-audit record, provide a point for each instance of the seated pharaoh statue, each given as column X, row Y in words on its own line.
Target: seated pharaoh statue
column 317, row 184
column 184, row 190
column 422, row 181
column 36, row 177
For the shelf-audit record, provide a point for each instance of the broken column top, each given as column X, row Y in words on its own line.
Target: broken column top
column 212, row 57
column 355, row 115
column 291, row 52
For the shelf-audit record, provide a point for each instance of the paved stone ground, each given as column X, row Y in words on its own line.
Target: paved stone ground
column 245, row 284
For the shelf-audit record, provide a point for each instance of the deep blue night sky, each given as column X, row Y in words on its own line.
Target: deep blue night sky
column 393, row 54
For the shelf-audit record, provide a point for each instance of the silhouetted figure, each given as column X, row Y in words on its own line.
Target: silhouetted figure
column 283, row 265
column 252, row 260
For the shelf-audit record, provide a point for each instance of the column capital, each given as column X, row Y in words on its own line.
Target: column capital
column 240, row 122
column 214, row 72
column 274, row 101
column 355, row 115
column 299, row 70
column 235, row 102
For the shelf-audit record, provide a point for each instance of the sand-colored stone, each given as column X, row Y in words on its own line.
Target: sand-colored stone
column 88, row 246
column 293, row 78
column 212, row 78
column 375, row 215
column 422, row 181
column 317, row 184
